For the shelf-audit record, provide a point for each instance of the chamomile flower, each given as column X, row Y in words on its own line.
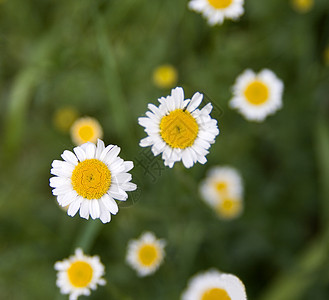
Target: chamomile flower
column 64, row 117
column 256, row 96
column 222, row 190
column 79, row 274
column 179, row 130
column 165, row 76
column 302, row 6
column 146, row 254
column 90, row 179
column 213, row 285
column 85, row 130
column 217, row 10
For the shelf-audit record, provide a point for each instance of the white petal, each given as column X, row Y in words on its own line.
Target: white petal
column 129, row 186
column 94, row 209
column 123, row 178
column 81, row 155
column 84, row 209
column 99, row 149
column 105, row 216
column 74, row 207
column 128, row 165
column 110, row 204
column 70, row 157
column 195, row 102
column 90, row 151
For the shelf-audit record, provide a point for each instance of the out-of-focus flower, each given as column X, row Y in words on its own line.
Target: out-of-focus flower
column 91, row 179
column 85, row 130
column 145, row 254
column 64, row 117
column 165, row 76
column 256, row 96
column 302, row 6
column 79, row 274
column 217, row 10
column 179, row 130
column 222, row 190
column 213, row 285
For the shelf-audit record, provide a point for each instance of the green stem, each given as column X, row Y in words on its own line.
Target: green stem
column 88, row 235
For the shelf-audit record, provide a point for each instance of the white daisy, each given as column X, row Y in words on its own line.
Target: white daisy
column 85, row 130
column 257, row 95
column 222, row 190
column 217, row 10
column 79, row 274
column 91, row 179
column 213, row 285
column 146, row 254
column 179, row 130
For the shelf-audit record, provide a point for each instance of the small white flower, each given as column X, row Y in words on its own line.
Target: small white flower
column 91, row 179
column 256, row 96
column 217, row 10
column 179, row 130
column 79, row 274
column 146, row 254
column 212, row 285
column 85, row 130
column 222, row 190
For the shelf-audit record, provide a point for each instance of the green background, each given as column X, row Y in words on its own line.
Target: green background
column 98, row 56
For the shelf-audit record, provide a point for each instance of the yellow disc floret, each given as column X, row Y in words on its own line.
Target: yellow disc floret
column 91, row 179
column 221, row 187
column 256, row 93
column 179, row 129
column 80, row 274
column 229, row 208
column 165, row 76
column 85, row 130
column 220, row 4
column 148, row 254
column 216, row 294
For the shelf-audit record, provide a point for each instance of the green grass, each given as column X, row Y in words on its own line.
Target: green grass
column 98, row 56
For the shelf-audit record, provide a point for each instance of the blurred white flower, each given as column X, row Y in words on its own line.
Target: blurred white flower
column 222, row 190
column 217, row 10
column 79, row 274
column 179, row 130
column 85, row 130
column 91, row 179
column 213, row 285
column 145, row 254
column 256, row 96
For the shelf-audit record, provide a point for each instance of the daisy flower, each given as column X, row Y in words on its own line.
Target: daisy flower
column 165, row 76
column 179, row 130
column 257, row 95
column 214, row 285
column 302, row 6
column 217, row 10
column 64, row 117
column 85, row 130
column 90, row 179
column 222, row 190
column 79, row 274
column 146, row 254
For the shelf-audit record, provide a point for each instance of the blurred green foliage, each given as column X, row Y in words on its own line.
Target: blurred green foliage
column 98, row 56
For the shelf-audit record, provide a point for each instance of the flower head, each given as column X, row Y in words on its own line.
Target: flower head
column 179, row 130
column 213, row 285
column 146, row 254
column 302, row 6
column 85, row 130
column 79, row 274
column 90, row 179
column 217, row 10
column 256, row 96
column 165, row 76
column 64, row 117
column 222, row 190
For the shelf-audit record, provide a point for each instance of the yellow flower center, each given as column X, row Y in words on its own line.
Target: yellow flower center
column 80, row 274
column 303, row 6
column 91, row 179
column 179, row 129
column 256, row 93
column 86, row 132
column 221, row 187
column 148, row 254
column 216, row 294
column 229, row 208
column 220, row 4
column 165, row 76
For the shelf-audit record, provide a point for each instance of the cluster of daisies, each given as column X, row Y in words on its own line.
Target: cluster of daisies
column 92, row 178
